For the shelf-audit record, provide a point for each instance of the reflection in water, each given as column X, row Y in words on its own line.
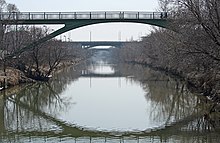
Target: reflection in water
column 102, row 102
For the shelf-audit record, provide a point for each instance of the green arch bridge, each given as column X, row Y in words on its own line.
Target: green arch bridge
column 73, row 20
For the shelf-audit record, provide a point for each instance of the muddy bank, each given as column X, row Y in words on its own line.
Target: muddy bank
column 15, row 77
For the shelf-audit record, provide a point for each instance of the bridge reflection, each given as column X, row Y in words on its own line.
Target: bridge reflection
column 73, row 131
column 66, row 130
column 98, row 75
column 33, row 105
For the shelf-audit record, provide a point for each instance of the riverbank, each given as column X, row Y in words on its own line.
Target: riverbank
column 15, row 77
column 207, row 85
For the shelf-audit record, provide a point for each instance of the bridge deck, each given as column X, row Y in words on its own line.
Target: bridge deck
column 63, row 16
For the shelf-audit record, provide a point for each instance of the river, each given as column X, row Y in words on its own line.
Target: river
column 99, row 101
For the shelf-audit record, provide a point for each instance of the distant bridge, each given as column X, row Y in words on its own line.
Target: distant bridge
column 90, row 44
column 73, row 20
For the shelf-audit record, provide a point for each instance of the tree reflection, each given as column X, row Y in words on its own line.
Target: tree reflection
column 34, row 109
column 23, row 110
column 171, row 100
column 39, row 97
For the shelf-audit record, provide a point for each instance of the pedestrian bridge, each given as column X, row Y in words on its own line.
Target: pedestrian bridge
column 73, row 20
column 84, row 18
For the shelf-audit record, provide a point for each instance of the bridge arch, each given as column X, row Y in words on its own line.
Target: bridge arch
column 73, row 20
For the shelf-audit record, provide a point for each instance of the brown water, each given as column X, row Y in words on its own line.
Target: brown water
column 104, row 102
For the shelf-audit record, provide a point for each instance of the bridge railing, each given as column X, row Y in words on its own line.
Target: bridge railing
column 81, row 15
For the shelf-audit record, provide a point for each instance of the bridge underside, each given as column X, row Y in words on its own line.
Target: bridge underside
column 76, row 23
column 73, row 24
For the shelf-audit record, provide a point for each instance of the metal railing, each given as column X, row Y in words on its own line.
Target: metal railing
column 81, row 15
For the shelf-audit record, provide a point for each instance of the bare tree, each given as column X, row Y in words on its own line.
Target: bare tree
column 39, row 62
column 4, row 29
column 207, row 13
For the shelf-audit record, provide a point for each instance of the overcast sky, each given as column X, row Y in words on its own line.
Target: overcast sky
column 99, row 32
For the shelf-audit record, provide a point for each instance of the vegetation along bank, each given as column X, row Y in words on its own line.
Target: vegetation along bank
column 188, row 48
column 22, row 61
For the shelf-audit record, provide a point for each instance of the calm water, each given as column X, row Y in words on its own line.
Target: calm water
column 104, row 102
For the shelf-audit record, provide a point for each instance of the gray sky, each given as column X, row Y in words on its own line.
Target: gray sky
column 99, row 32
